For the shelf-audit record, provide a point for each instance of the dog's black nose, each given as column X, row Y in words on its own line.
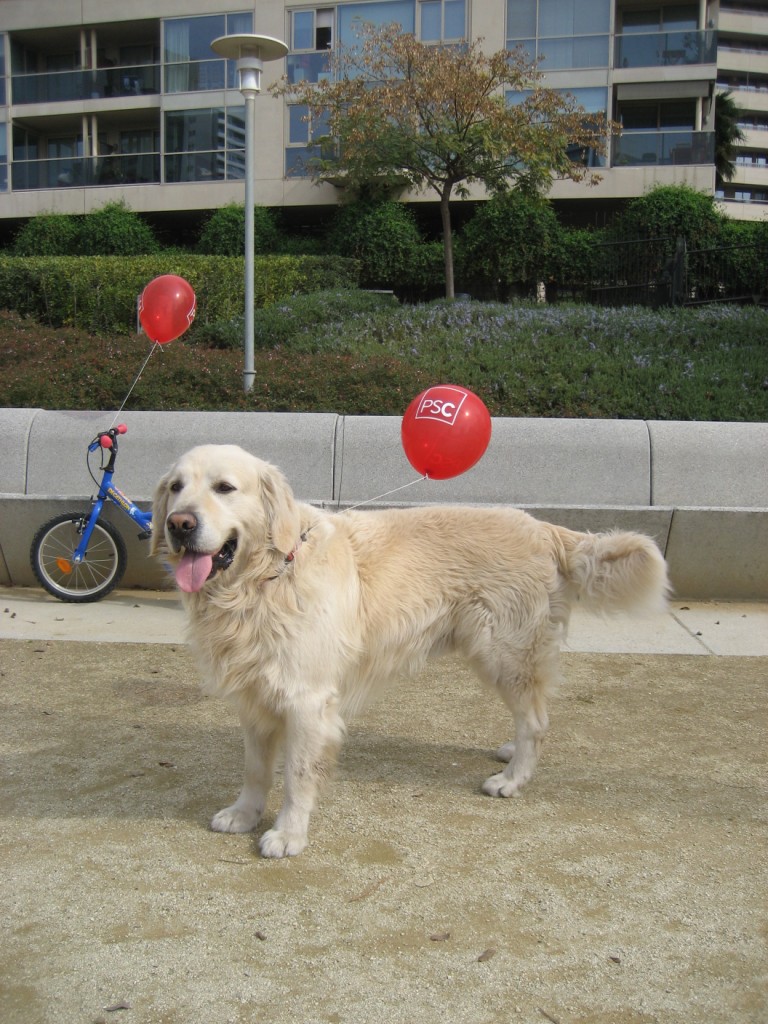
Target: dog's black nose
column 181, row 524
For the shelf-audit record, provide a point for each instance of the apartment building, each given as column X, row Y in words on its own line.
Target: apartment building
column 742, row 67
column 101, row 101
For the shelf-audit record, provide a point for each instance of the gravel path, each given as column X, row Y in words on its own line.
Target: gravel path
column 627, row 885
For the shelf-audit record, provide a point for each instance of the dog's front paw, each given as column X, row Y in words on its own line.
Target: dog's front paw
column 235, row 819
column 500, row 785
column 277, row 843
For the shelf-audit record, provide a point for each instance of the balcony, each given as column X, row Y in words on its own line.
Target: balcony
column 744, row 23
column 78, row 171
column 636, row 149
column 60, row 86
column 665, row 49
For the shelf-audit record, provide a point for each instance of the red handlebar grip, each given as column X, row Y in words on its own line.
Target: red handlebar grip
column 105, row 441
column 122, row 428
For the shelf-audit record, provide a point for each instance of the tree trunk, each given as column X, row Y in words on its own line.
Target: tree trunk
column 445, row 216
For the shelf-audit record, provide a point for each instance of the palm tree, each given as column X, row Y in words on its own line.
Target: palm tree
column 728, row 135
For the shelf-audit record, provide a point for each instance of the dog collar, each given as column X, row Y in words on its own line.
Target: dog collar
column 288, row 558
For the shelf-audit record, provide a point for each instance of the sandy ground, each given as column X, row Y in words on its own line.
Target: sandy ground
column 626, row 885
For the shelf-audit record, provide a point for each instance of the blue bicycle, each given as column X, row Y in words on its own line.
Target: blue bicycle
column 77, row 556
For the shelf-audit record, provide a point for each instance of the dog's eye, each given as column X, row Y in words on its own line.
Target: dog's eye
column 222, row 487
column 176, row 486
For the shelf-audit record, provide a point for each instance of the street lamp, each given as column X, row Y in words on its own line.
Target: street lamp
column 250, row 51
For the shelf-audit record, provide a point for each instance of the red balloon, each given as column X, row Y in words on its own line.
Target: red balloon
column 445, row 431
column 166, row 308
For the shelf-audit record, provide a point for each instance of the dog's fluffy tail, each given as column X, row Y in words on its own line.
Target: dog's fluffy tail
column 615, row 572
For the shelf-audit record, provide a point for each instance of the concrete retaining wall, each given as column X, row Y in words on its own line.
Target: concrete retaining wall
column 700, row 489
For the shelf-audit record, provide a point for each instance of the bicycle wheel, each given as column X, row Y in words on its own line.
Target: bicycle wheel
column 99, row 572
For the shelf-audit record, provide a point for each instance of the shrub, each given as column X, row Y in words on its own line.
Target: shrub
column 384, row 236
column 669, row 211
column 114, row 230
column 576, row 262
column 50, row 234
column 100, row 293
column 223, row 234
column 509, row 243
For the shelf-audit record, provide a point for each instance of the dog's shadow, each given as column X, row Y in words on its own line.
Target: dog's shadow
column 371, row 757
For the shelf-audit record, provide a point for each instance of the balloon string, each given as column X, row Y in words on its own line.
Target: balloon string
column 386, row 494
column 136, row 381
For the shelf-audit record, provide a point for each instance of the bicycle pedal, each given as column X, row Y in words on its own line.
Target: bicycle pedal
column 144, row 535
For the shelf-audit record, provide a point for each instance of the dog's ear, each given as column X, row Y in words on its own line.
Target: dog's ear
column 159, row 515
column 283, row 515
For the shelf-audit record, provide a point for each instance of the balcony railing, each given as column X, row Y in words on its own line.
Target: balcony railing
column 665, row 49
column 76, row 172
column 636, row 149
column 58, row 86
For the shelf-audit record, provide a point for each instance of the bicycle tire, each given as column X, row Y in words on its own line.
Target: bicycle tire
column 96, row 576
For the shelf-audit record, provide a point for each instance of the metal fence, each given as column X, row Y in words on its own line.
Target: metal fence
column 666, row 272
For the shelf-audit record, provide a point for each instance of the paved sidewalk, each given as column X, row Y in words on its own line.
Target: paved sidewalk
column 728, row 629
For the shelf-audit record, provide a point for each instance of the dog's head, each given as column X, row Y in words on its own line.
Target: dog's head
column 220, row 509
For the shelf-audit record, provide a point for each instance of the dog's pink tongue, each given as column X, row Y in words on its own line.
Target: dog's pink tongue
column 193, row 570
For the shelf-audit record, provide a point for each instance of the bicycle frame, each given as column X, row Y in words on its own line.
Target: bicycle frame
column 108, row 492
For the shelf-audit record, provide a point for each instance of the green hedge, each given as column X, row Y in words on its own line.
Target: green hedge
column 99, row 293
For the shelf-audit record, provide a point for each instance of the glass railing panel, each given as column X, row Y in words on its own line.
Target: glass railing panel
column 663, row 49
column 60, row 86
column 634, row 149
column 77, row 172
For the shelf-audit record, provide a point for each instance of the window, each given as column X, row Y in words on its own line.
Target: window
column 2, row 77
column 594, row 100
column 661, row 19
column 564, row 33
column 573, row 17
column 442, row 20
column 678, row 115
column 302, row 133
column 3, row 160
column 521, row 21
column 352, row 17
column 312, row 30
column 205, row 145
column 187, row 56
column 140, row 155
column 312, row 36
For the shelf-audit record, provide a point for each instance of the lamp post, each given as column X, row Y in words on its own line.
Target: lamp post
column 250, row 51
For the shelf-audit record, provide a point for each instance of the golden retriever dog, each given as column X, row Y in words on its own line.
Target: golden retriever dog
column 298, row 615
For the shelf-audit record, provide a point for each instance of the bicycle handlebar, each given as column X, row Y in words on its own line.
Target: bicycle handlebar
column 108, row 438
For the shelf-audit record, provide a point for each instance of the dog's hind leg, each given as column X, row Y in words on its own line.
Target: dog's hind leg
column 313, row 736
column 531, row 723
column 523, row 682
column 245, row 812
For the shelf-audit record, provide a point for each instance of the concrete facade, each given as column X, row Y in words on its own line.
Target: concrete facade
column 700, row 489
column 102, row 102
